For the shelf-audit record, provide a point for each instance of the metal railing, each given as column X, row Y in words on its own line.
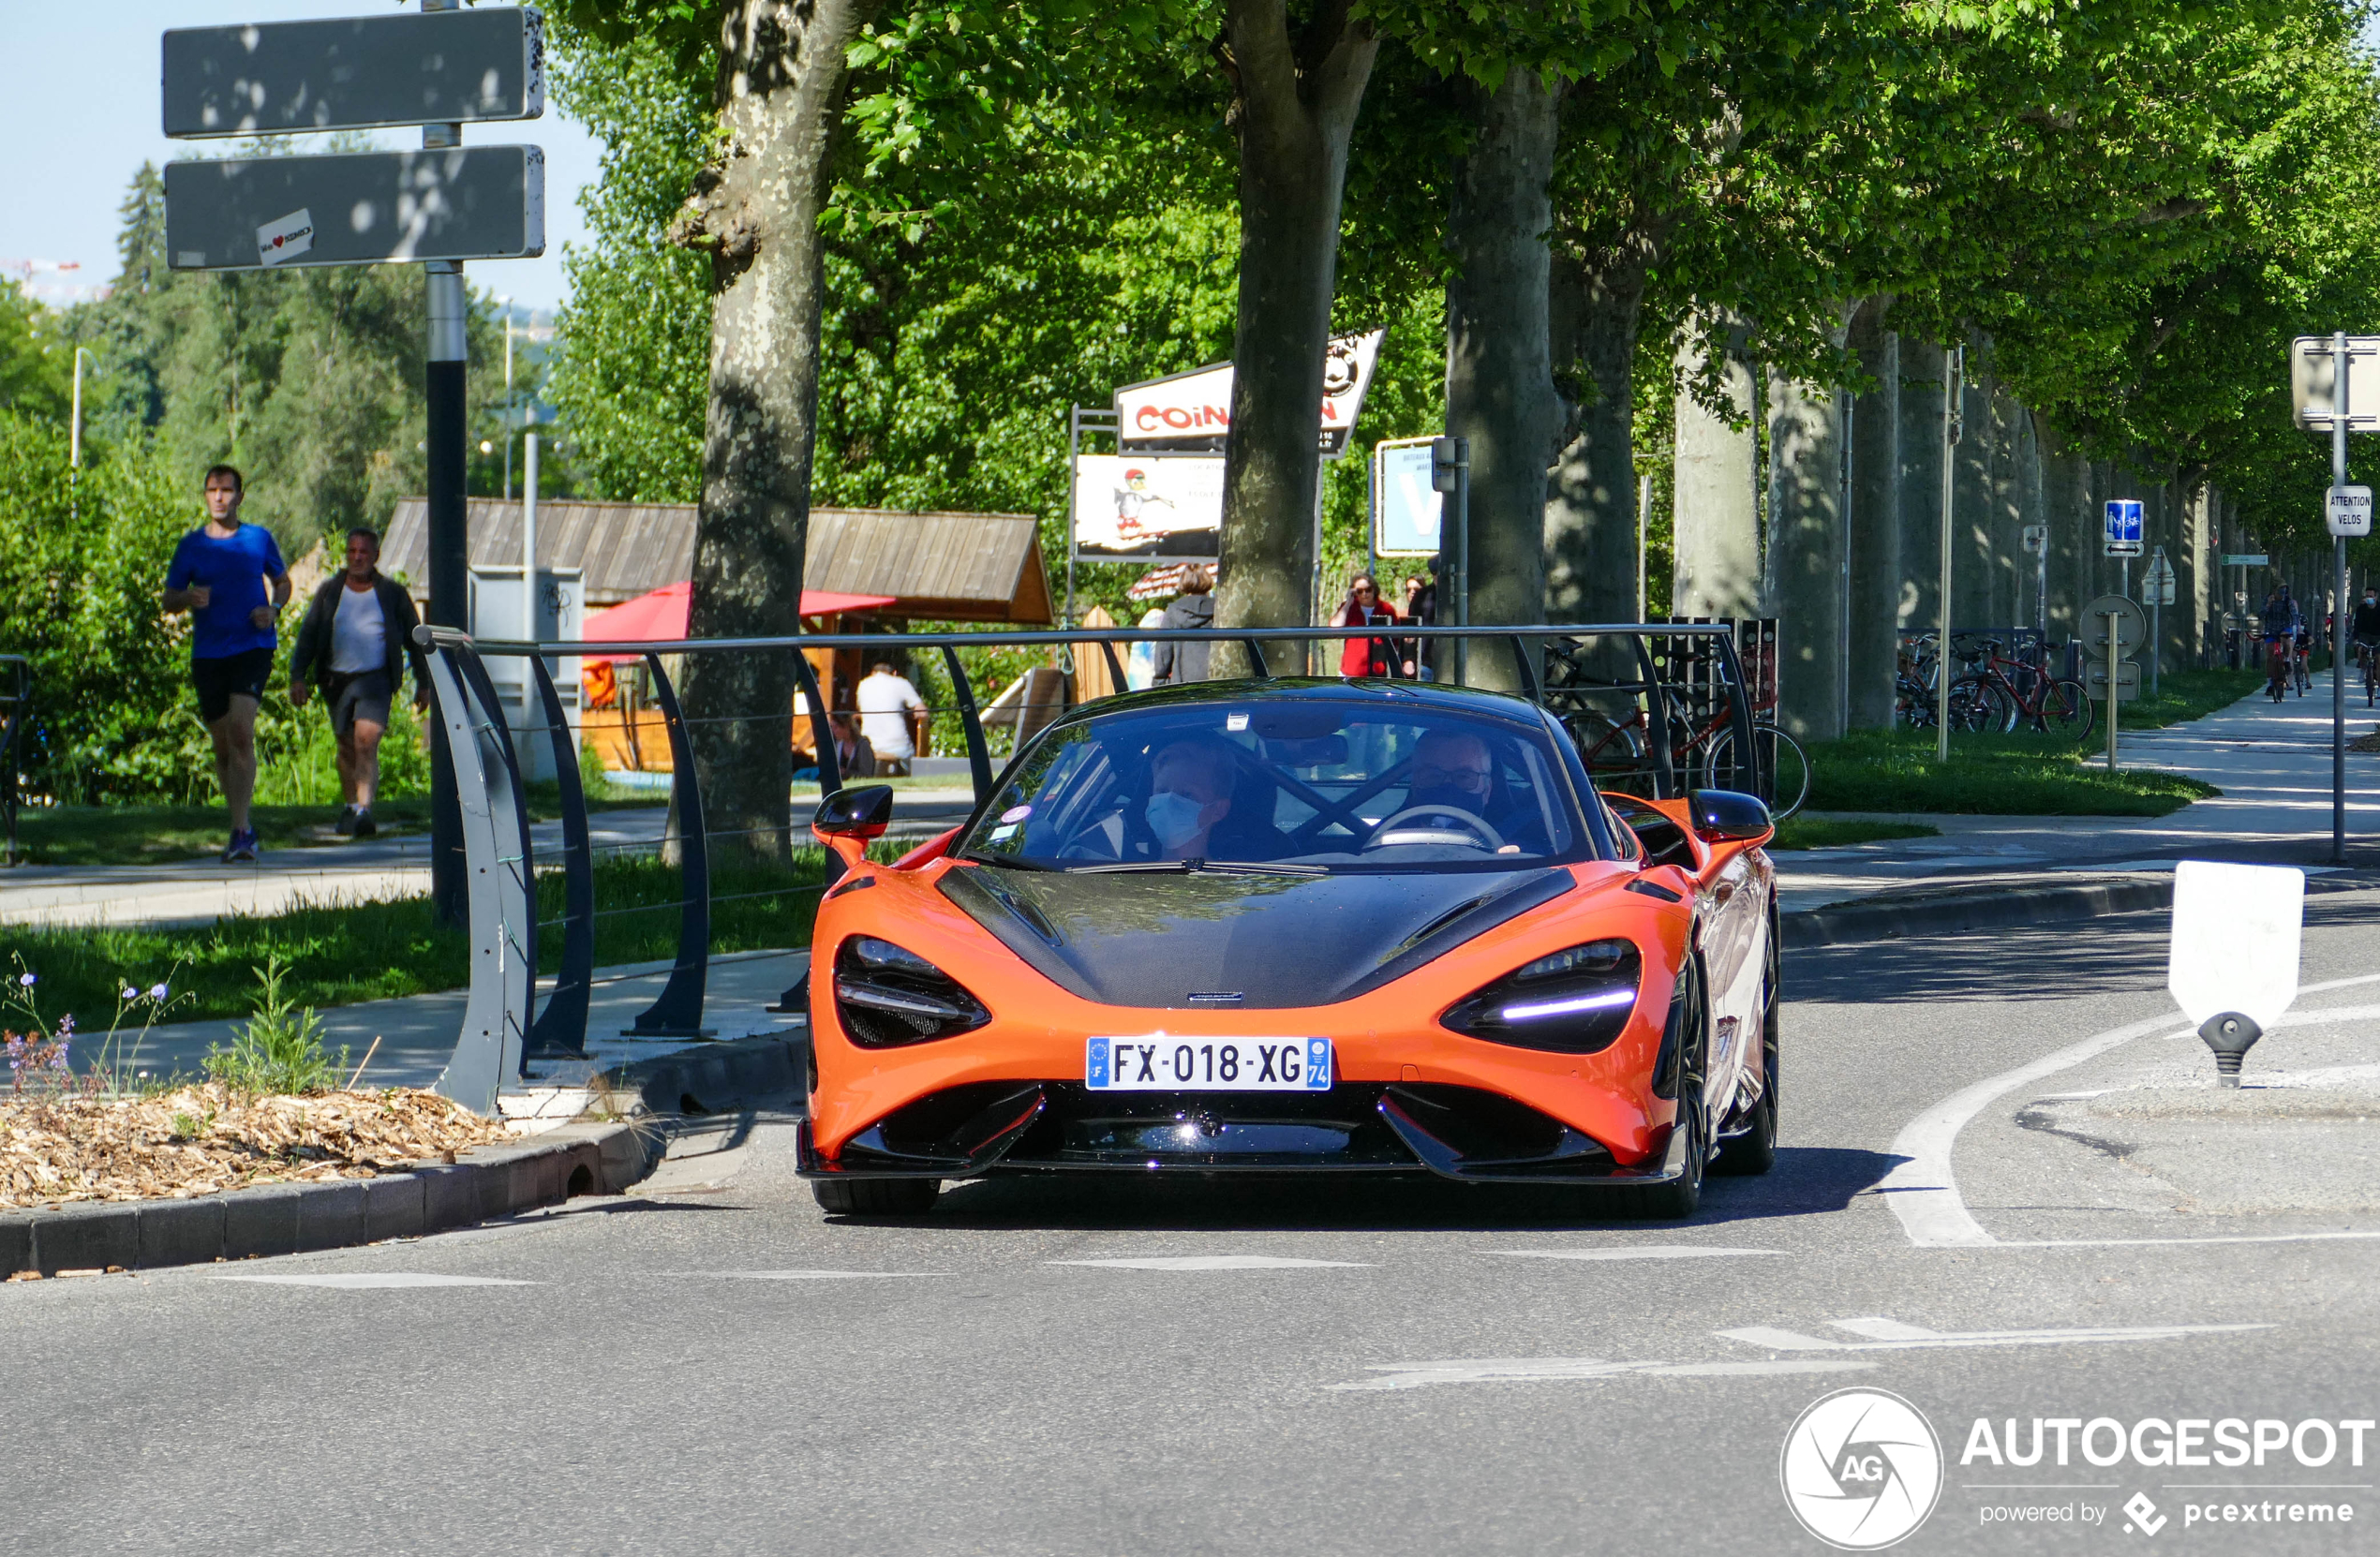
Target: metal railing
column 502, row 1028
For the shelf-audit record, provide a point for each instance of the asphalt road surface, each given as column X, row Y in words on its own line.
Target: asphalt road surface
column 1101, row 1368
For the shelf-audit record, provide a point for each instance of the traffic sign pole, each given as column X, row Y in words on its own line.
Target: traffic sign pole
column 2341, row 408
column 449, row 538
column 2115, row 701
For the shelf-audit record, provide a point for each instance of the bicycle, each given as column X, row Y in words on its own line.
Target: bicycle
column 2368, row 664
column 2300, row 662
column 1707, row 751
column 2031, row 697
column 2277, row 675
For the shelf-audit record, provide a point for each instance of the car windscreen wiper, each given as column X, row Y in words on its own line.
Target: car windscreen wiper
column 1129, row 866
column 1202, row 868
column 1005, row 861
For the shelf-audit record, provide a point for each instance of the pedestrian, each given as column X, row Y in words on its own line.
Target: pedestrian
column 888, row 705
column 1421, row 610
column 1361, row 608
column 219, row 575
column 853, row 757
column 1194, row 608
column 353, row 643
column 1141, row 665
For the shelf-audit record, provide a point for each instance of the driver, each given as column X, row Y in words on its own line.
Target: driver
column 1451, row 772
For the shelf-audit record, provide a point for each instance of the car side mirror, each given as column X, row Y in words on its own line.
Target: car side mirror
column 1725, row 816
column 848, row 820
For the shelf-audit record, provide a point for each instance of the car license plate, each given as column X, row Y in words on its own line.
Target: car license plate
column 1159, row 1063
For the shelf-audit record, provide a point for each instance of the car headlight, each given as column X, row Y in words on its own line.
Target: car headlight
column 1575, row 1001
column 888, row 996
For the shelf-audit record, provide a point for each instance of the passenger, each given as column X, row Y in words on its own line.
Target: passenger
column 1202, row 806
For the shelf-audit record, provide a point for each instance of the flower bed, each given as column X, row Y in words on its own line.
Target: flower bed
column 202, row 1139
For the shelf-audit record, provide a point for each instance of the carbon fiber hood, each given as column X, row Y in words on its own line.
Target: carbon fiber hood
column 1154, row 940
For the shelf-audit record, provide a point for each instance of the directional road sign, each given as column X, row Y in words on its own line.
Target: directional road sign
column 477, row 202
column 2245, row 559
column 2130, row 626
column 2348, row 509
column 2124, row 521
column 2312, row 383
column 2036, row 538
column 355, row 72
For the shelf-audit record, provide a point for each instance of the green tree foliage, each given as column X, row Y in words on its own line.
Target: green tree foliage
column 36, row 364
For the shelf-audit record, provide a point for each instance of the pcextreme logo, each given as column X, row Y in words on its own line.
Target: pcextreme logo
column 1861, row 1469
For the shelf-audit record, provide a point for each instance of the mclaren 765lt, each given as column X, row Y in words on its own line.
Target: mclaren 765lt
column 1298, row 926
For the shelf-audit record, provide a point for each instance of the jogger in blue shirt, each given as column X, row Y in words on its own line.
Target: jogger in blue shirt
column 218, row 575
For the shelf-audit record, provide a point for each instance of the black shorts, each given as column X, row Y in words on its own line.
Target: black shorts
column 244, row 673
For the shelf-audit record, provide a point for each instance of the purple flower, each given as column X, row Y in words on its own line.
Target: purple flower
column 26, row 980
column 158, row 991
column 66, row 1027
column 130, row 995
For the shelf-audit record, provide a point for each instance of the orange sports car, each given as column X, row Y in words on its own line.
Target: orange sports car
column 1298, row 926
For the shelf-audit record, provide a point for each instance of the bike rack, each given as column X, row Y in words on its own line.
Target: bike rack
column 500, row 1025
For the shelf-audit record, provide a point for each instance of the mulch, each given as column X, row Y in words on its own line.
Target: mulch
column 204, row 1139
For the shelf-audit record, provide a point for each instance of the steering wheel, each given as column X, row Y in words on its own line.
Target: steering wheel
column 1478, row 826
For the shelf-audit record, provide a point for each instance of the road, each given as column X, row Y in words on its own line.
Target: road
column 1184, row 1367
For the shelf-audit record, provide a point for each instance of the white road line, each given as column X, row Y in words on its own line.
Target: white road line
column 1890, row 1335
column 1416, row 1375
column 1219, row 1262
column 2161, row 1243
column 1631, row 1251
column 816, row 1275
column 356, row 1280
column 1921, row 1188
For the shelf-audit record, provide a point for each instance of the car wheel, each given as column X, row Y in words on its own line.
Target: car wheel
column 876, row 1196
column 1754, row 1151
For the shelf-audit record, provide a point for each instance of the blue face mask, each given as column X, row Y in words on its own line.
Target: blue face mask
column 1174, row 818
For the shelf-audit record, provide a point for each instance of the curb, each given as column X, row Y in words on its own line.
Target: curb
column 713, row 1079
column 1950, row 913
column 485, row 1182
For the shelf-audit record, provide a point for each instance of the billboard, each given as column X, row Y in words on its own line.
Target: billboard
column 1404, row 506
column 1148, row 506
column 1194, row 407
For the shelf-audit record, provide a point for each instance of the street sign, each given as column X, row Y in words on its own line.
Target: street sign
column 1194, row 407
column 480, row 202
column 2236, row 934
column 2158, row 581
column 2036, row 538
column 2124, row 523
column 2127, row 680
column 2312, row 375
column 1405, row 508
column 2348, row 509
column 2244, row 560
column 2130, row 626
column 354, row 72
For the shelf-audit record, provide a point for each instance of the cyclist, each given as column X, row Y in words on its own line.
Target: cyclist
column 2364, row 627
column 2278, row 628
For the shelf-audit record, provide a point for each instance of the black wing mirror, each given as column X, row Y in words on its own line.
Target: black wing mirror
column 859, row 813
column 1725, row 816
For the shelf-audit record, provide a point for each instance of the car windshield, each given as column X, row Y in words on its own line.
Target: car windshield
column 1297, row 785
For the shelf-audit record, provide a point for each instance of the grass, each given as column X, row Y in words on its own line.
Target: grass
column 160, row 835
column 2020, row 775
column 1828, row 832
column 342, row 953
column 2183, row 695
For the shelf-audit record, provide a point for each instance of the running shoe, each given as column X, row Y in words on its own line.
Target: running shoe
column 347, row 821
column 244, row 848
column 363, row 826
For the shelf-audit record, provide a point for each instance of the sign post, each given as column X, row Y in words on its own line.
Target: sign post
column 439, row 68
column 1451, row 471
column 2324, row 372
column 2157, row 584
column 1953, row 427
column 2115, row 680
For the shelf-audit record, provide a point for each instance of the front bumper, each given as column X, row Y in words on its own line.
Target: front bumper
column 1004, row 1127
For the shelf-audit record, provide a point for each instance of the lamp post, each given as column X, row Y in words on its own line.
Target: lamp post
column 505, row 303
column 74, row 441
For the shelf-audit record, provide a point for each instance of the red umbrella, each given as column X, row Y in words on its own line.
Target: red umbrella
column 659, row 617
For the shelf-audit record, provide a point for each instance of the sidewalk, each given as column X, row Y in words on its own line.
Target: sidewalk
column 198, row 892
column 2272, row 762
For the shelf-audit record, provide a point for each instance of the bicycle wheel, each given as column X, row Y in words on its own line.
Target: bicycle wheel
column 2065, row 710
column 1976, row 704
column 1606, row 746
column 1788, row 770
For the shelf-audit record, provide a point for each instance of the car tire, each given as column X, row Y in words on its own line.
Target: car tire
column 1754, row 1151
column 876, row 1196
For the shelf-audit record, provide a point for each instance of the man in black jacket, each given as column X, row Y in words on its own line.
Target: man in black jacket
column 1193, row 608
column 358, row 631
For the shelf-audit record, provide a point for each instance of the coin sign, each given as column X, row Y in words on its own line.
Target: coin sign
column 1861, row 1469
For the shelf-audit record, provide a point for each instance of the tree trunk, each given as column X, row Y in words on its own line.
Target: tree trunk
column 1807, row 567
column 1591, row 511
column 1294, row 106
column 755, row 210
column 1920, row 491
column 1717, row 571
column 1874, row 523
column 1499, row 374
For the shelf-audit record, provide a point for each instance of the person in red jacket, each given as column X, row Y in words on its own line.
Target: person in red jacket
column 1362, row 608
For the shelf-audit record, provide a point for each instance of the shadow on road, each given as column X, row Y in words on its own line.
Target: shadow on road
column 1806, row 1180
column 2046, row 962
